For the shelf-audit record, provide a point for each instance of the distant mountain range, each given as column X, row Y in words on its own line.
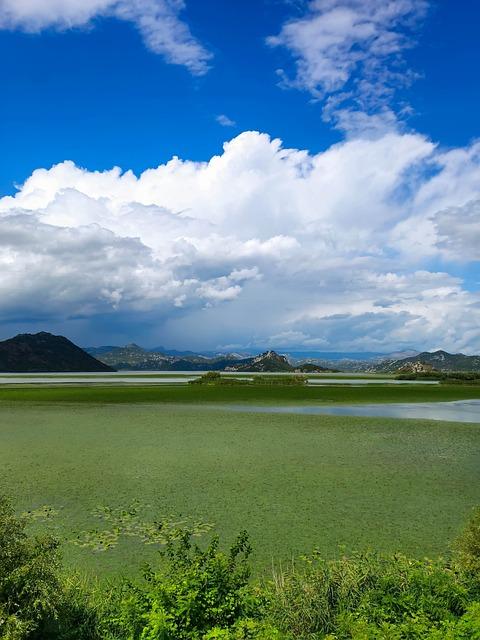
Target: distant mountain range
column 134, row 357
column 43, row 353
column 438, row 360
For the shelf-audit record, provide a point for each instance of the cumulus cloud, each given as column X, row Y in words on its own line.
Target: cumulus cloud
column 157, row 21
column 458, row 231
column 351, row 51
column 259, row 245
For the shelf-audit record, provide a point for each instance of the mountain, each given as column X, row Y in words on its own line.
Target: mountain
column 331, row 356
column 97, row 351
column 398, row 355
column 43, row 353
column 131, row 356
column 134, row 358
column 438, row 360
column 174, row 352
column 270, row 361
column 311, row 367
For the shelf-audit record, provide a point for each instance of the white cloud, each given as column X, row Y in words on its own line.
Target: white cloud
column 351, row 50
column 157, row 21
column 225, row 121
column 458, row 231
column 257, row 245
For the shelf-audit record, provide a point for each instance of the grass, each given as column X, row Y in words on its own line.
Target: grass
column 294, row 482
column 256, row 394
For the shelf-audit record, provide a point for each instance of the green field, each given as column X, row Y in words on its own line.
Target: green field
column 255, row 394
column 293, row 481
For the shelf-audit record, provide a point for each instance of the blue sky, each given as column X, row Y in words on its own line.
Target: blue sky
column 376, row 180
column 98, row 97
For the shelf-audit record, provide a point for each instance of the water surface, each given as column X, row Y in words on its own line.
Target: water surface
column 359, row 381
column 457, row 411
column 54, row 380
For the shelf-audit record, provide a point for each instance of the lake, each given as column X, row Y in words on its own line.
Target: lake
column 457, row 411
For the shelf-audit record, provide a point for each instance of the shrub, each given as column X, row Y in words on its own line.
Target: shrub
column 207, row 594
column 367, row 596
column 211, row 377
column 36, row 601
column 467, row 547
column 198, row 592
column 29, row 583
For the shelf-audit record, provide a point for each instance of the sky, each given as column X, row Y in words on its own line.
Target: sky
column 251, row 174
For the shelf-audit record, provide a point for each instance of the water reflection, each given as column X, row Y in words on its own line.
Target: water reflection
column 458, row 411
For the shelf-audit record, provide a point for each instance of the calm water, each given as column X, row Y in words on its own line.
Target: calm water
column 458, row 411
column 177, row 377
column 93, row 380
column 359, row 381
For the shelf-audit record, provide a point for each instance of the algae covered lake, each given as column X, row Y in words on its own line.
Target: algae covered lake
column 295, row 482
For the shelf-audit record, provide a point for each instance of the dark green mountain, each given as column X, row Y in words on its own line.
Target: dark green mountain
column 44, row 352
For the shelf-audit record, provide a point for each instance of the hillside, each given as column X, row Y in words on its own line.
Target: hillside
column 44, row 352
column 134, row 358
column 270, row 361
column 131, row 356
column 438, row 360
column 311, row 367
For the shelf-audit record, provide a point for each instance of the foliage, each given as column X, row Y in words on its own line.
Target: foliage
column 208, row 594
column 198, row 594
column 467, row 546
column 293, row 380
column 268, row 394
column 29, row 582
column 369, row 596
column 213, row 378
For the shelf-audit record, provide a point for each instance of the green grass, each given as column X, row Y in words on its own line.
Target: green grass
column 256, row 394
column 293, row 481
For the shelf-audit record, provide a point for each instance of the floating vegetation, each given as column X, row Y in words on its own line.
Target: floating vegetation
column 42, row 514
column 127, row 522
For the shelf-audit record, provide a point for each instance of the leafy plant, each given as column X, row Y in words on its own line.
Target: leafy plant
column 467, row 547
column 368, row 596
column 29, row 583
column 198, row 591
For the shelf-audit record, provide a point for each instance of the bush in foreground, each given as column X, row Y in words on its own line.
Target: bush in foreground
column 198, row 594
column 207, row 594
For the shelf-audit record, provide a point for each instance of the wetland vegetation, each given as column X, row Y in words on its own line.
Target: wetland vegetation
column 205, row 592
column 142, row 469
